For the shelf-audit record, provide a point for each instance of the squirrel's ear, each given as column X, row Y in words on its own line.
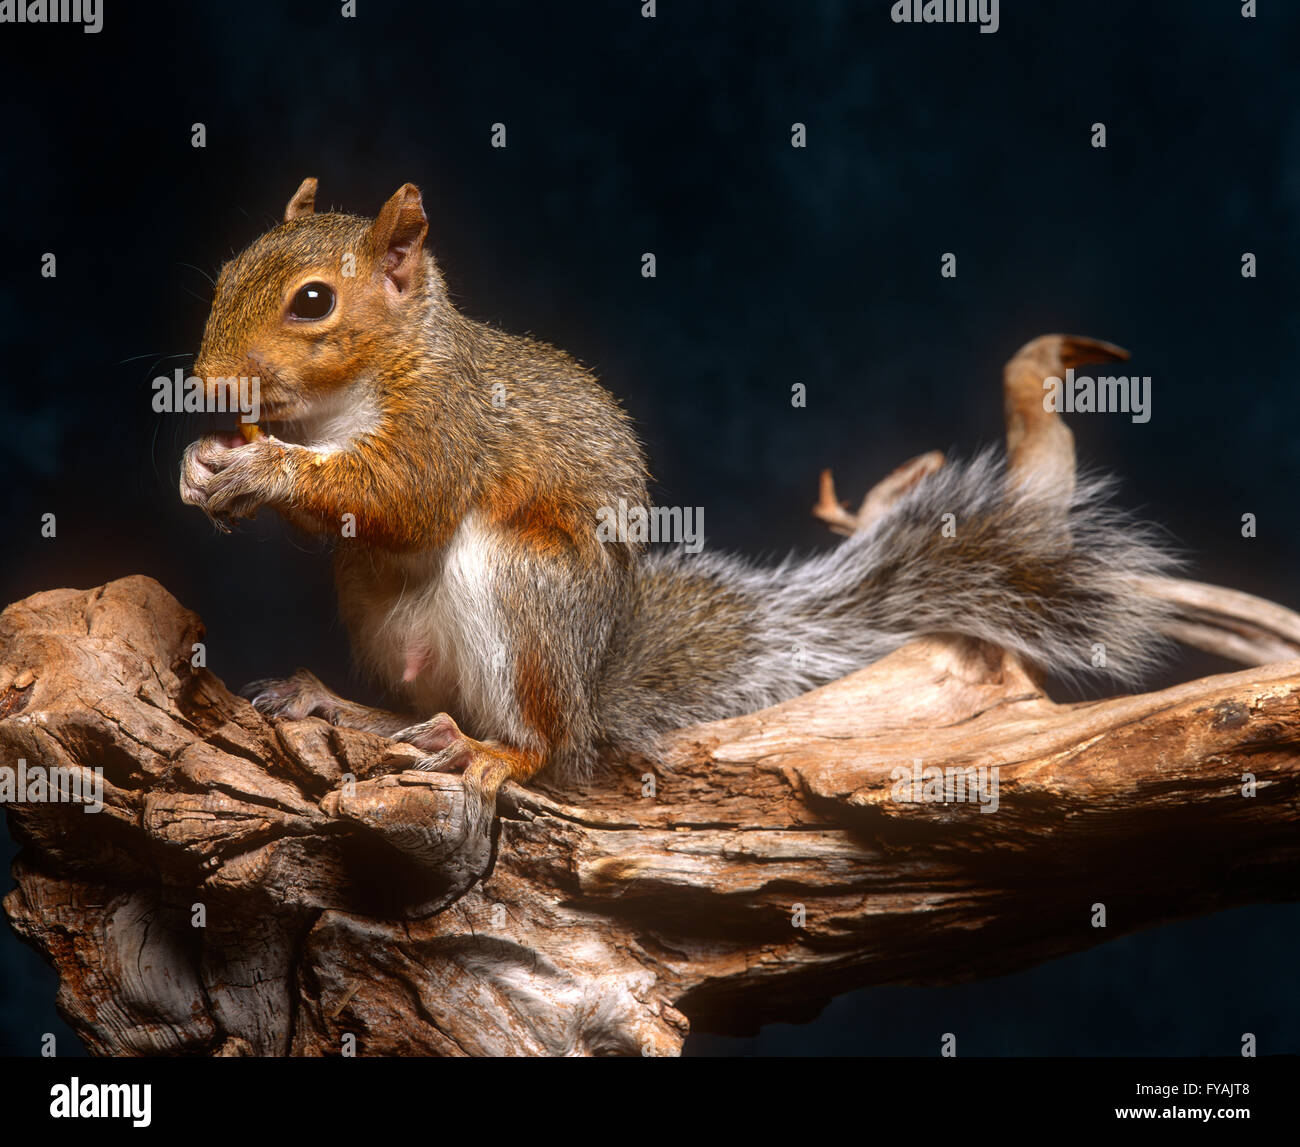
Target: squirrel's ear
column 303, row 201
column 397, row 236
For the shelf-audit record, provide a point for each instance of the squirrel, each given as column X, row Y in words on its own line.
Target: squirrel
column 476, row 583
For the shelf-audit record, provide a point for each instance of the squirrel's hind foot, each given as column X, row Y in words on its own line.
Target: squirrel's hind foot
column 440, row 737
column 290, row 698
column 306, row 695
column 484, row 765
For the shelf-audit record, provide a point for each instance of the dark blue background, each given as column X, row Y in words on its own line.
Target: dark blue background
column 775, row 266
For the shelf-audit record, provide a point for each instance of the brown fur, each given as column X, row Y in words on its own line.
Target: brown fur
column 464, row 420
column 474, row 464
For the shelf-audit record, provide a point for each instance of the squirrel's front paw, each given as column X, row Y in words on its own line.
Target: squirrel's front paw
column 228, row 478
column 198, row 468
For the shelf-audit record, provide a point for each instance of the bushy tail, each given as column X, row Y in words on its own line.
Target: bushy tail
column 712, row 636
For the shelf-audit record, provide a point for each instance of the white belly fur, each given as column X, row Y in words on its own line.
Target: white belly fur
column 429, row 626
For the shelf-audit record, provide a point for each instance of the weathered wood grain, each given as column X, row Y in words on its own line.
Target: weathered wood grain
column 606, row 915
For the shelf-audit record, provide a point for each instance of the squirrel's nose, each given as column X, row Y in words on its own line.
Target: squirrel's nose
column 209, row 366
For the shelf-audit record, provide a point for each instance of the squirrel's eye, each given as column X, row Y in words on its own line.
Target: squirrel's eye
column 313, row 301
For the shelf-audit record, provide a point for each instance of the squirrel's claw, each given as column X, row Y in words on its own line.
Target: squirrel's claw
column 453, row 759
column 439, row 736
column 291, row 698
column 225, row 481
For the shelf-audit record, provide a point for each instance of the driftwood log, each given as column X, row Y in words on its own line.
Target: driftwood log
column 273, row 888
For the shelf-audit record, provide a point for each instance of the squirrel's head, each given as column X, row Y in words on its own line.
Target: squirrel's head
column 308, row 307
